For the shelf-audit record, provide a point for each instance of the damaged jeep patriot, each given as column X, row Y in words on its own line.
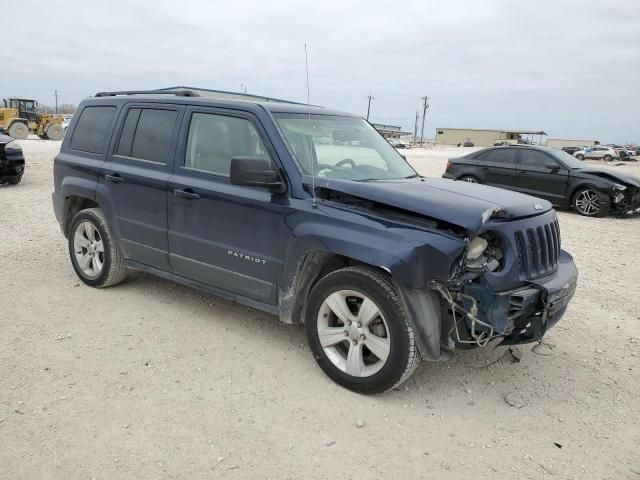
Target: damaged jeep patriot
column 311, row 215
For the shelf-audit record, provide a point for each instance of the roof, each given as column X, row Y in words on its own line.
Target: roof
column 188, row 95
column 209, row 93
column 507, row 130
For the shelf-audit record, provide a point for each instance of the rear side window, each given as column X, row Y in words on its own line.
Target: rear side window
column 215, row 139
column 146, row 134
column 501, row 155
column 90, row 134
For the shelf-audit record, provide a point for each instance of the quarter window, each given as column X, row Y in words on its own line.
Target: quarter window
column 90, row 134
column 214, row 140
column 501, row 155
column 146, row 134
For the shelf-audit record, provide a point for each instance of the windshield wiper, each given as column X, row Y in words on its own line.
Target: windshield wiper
column 415, row 175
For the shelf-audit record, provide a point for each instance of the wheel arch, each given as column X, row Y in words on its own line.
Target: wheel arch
column 73, row 204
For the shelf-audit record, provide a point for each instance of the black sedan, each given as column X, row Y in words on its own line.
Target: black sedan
column 11, row 161
column 550, row 174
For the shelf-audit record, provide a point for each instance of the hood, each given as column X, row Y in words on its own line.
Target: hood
column 5, row 139
column 467, row 205
column 607, row 174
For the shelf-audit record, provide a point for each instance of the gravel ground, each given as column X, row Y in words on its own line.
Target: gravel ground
column 151, row 379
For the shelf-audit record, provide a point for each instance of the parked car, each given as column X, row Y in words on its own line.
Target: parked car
column 597, row 153
column 572, row 150
column 11, row 161
column 236, row 198
column 395, row 143
column 551, row 174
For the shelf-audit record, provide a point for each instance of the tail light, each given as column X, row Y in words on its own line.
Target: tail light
column 449, row 165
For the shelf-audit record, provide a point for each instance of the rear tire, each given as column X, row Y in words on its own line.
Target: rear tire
column 19, row 131
column 55, row 132
column 94, row 254
column 358, row 331
column 607, row 158
column 580, row 157
column 469, row 179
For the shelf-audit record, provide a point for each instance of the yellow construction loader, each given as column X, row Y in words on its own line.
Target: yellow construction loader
column 20, row 117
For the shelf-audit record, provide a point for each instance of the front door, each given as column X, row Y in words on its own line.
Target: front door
column 227, row 236
column 537, row 178
column 136, row 174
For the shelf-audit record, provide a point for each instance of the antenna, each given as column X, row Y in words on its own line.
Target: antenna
column 313, row 173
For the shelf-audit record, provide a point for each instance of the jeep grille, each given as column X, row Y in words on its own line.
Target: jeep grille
column 538, row 249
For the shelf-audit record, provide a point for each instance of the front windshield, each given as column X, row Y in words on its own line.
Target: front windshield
column 569, row 160
column 346, row 148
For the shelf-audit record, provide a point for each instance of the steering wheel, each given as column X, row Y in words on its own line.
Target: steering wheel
column 346, row 161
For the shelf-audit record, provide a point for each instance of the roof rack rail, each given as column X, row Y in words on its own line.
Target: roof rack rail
column 179, row 93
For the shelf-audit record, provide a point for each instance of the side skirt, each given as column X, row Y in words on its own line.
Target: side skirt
column 249, row 302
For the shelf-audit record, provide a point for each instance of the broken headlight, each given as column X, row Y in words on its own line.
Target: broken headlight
column 618, row 192
column 484, row 254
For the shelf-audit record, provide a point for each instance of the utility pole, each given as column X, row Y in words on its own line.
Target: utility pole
column 425, row 105
column 55, row 94
column 415, row 127
column 370, row 97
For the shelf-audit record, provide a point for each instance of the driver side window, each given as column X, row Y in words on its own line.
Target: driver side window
column 533, row 158
column 214, row 140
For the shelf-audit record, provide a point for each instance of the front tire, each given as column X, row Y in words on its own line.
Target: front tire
column 358, row 331
column 55, row 132
column 12, row 180
column 95, row 256
column 587, row 202
column 580, row 157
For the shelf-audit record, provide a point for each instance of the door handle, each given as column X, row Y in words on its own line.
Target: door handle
column 485, row 169
column 522, row 173
column 187, row 193
column 115, row 178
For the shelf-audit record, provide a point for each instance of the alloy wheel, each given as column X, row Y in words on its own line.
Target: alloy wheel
column 353, row 333
column 469, row 179
column 587, row 202
column 89, row 249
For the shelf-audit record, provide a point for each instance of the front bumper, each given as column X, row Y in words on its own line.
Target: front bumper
column 555, row 293
column 519, row 315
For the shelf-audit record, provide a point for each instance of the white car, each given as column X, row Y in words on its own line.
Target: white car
column 597, row 152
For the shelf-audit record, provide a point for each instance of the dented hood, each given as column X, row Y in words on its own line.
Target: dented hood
column 467, row 205
column 607, row 174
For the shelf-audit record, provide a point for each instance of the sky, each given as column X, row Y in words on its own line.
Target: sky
column 571, row 68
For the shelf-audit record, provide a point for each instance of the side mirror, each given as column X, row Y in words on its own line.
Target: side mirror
column 552, row 166
column 255, row 172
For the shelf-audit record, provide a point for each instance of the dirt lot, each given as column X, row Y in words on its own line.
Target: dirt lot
column 154, row 380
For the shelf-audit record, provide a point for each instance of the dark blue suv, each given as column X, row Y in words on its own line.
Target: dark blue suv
column 311, row 215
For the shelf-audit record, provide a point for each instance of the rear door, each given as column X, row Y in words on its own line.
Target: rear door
column 498, row 167
column 228, row 236
column 136, row 174
column 536, row 177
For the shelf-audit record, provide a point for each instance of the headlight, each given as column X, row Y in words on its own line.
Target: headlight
column 477, row 246
column 12, row 145
column 617, row 186
column 484, row 254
